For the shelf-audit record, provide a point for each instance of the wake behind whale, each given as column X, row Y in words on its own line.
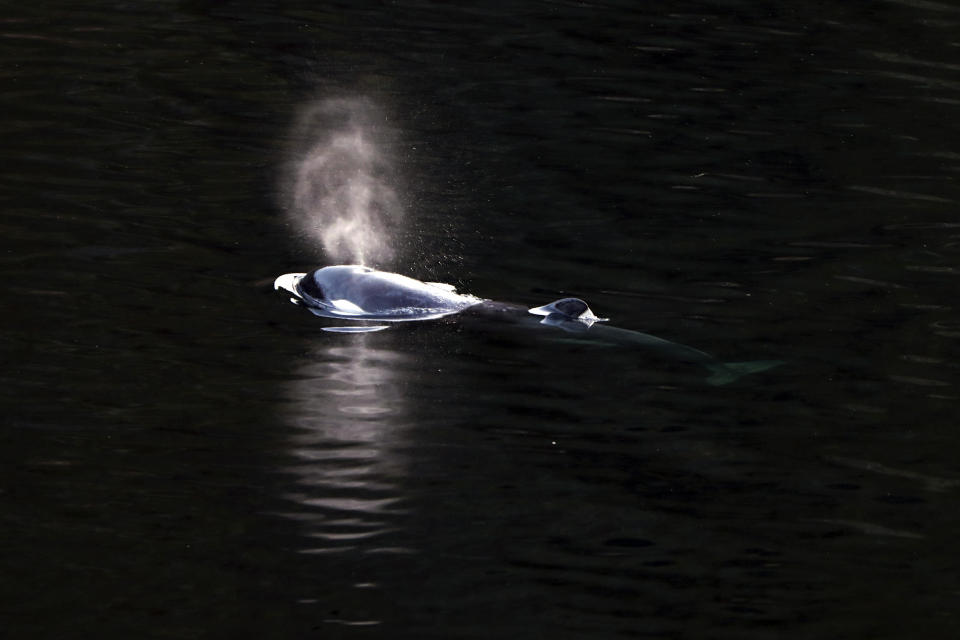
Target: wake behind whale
column 371, row 297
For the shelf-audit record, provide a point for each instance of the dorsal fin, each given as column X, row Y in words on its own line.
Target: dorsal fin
column 569, row 308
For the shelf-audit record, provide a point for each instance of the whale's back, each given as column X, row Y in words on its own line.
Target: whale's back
column 365, row 293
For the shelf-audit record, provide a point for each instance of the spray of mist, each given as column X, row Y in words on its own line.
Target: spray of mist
column 340, row 181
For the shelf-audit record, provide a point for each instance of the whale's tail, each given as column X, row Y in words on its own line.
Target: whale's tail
column 722, row 373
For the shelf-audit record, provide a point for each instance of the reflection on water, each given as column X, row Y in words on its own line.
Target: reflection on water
column 346, row 406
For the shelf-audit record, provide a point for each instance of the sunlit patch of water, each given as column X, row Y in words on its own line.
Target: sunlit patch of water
column 347, row 411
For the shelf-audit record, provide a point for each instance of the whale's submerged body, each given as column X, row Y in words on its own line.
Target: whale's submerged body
column 362, row 294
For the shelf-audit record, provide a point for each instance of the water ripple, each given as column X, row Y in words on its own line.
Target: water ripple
column 347, row 413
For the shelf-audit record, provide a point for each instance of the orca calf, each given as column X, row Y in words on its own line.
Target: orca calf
column 372, row 297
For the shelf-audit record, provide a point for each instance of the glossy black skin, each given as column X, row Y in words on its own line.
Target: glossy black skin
column 566, row 318
column 571, row 315
column 369, row 293
column 598, row 332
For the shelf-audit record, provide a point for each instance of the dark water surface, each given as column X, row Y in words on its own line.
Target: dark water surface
column 184, row 455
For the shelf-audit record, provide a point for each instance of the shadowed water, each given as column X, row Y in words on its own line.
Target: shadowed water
column 184, row 454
